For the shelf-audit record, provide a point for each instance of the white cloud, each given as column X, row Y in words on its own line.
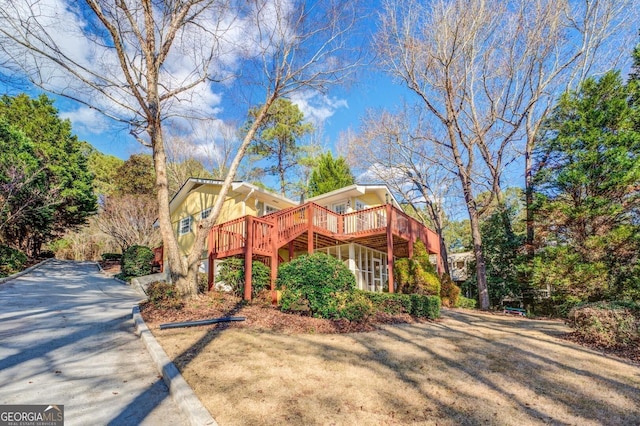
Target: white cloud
column 317, row 107
column 86, row 120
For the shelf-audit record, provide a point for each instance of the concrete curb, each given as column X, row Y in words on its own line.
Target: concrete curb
column 178, row 387
column 26, row 271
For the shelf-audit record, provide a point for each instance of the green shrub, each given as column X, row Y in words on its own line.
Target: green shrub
column 390, row 303
column 421, row 255
column 411, row 278
column 136, row 262
column 231, row 273
column 315, row 279
column 163, row 294
column 607, row 324
column 449, row 292
column 11, row 261
column 111, row 256
column 419, row 305
column 353, row 306
column 466, row 303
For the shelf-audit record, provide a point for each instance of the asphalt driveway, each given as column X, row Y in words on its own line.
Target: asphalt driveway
column 67, row 337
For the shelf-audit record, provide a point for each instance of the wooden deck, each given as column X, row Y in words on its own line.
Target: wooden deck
column 310, row 227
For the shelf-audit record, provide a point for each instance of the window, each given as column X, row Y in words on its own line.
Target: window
column 269, row 209
column 340, row 208
column 185, row 226
column 205, row 213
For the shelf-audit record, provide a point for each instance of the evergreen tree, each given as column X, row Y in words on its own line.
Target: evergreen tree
column 276, row 138
column 64, row 163
column 588, row 189
column 329, row 175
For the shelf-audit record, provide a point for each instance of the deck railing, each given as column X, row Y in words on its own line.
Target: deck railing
column 366, row 220
column 229, row 238
column 326, row 220
column 291, row 222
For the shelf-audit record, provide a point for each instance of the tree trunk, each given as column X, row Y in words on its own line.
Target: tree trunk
column 481, row 273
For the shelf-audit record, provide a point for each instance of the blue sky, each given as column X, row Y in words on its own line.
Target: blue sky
column 335, row 111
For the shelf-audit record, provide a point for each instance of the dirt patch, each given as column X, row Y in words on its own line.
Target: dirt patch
column 468, row 368
column 110, row 267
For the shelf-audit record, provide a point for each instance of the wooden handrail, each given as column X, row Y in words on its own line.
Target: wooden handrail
column 287, row 224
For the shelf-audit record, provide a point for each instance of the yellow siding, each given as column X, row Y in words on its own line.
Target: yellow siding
column 370, row 200
column 202, row 198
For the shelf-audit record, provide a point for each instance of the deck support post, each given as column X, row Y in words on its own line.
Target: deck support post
column 248, row 257
column 212, row 262
column 390, row 249
column 274, row 261
column 310, row 229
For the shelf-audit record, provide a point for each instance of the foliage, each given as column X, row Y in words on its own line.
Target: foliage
column 390, row 303
column 353, row 306
column 276, row 138
column 105, row 170
column 466, row 303
column 232, row 274
column 314, row 280
column 457, row 235
column 417, row 275
column 419, row 305
column 587, row 198
column 164, row 295
column 607, row 324
column 11, row 261
column 330, row 174
column 62, row 159
column 502, row 237
column 25, row 196
column 136, row 176
column 136, row 261
column 421, row 255
column 449, row 292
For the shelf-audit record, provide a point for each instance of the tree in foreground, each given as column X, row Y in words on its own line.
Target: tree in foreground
column 146, row 63
column 588, row 194
column 330, row 174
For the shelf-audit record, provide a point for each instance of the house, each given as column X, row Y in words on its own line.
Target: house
column 459, row 265
column 363, row 225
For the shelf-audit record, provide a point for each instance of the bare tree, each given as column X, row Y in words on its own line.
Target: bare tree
column 129, row 220
column 481, row 69
column 150, row 62
column 394, row 148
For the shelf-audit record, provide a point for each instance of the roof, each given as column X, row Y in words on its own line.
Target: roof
column 354, row 191
column 237, row 186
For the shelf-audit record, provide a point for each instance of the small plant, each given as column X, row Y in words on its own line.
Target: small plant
column 315, row 279
column 466, row 303
column 449, row 292
column 231, row 273
column 164, row 295
column 11, row 261
column 136, row 262
column 354, row 306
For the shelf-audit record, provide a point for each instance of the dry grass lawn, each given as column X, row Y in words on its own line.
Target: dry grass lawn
column 468, row 368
